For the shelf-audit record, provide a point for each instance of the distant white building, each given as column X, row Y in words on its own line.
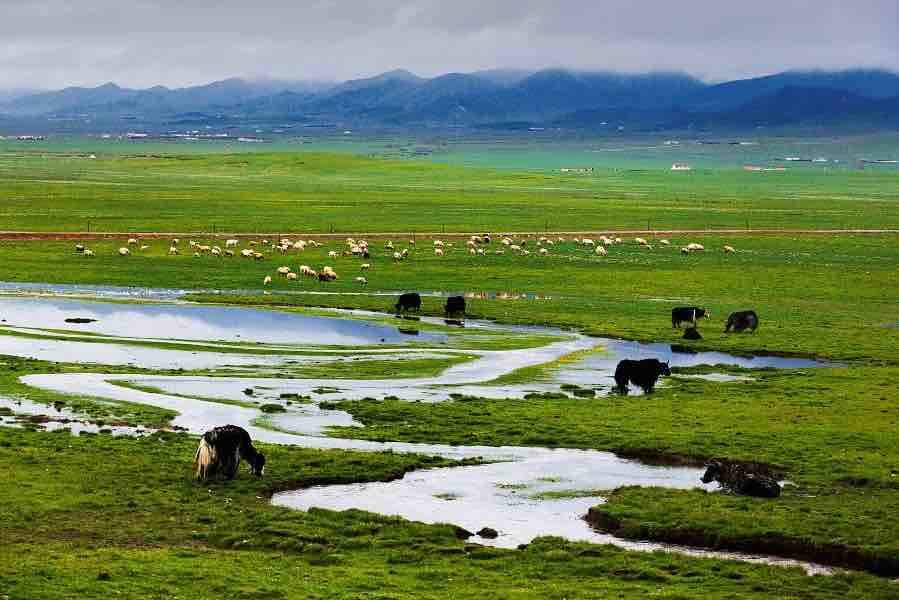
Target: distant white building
column 681, row 167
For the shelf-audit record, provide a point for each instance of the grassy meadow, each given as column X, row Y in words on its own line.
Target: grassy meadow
column 311, row 192
column 122, row 516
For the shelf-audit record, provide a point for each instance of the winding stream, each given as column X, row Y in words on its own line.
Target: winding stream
column 523, row 493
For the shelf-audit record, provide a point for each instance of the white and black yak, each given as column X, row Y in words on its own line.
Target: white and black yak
column 220, row 452
column 642, row 373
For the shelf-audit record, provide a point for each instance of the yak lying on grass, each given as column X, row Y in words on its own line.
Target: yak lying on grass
column 220, row 452
column 741, row 479
column 642, row 373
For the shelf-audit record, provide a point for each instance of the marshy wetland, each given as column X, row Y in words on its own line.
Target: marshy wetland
column 386, row 435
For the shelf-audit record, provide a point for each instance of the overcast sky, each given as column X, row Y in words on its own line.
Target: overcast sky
column 54, row 43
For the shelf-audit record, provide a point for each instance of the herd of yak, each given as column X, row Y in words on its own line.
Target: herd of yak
column 222, row 448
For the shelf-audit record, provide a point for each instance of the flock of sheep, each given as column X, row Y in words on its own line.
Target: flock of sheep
column 476, row 245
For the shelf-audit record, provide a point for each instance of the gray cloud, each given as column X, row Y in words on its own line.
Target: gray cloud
column 52, row 43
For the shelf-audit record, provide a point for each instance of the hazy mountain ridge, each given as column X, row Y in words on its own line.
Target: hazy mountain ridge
column 550, row 97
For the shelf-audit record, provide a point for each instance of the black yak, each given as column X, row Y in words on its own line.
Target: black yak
column 642, row 373
column 739, row 322
column 455, row 306
column 220, row 452
column 688, row 314
column 742, row 480
column 408, row 301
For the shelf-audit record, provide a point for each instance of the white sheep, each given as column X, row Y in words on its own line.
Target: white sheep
column 729, row 250
column 173, row 250
column 124, row 251
column 601, row 251
column 292, row 276
column 365, row 266
column 283, row 270
column 438, row 252
column 361, row 280
column 333, row 254
column 267, row 280
column 132, row 242
column 88, row 252
column 641, row 241
column 231, row 243
column 665, row 242
column 247, row 253
column 544, row 252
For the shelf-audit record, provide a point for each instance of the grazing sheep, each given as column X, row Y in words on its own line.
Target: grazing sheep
column 258, row 256
column 405, row 252
column 472, row 251
column 204, row 248
column 729, row 250
column 640, row 241
column 618, row 240
column 438, row 252
column 132, row 242
column 173, row 250
column 333, row 254
column 231, row 243
column 545, row 252
column 292, row 276
column 267, row 280
column 388, row 245
column 365, row 266
column 175, row 241
column 438, row 243
column 88, row 252
column 124, row 251
column 216, row 251
column 247, row 253
column 694, row 247
column 397, row 257
column 229, row 253
column 601, row 251
column 481, row 251
column 361, row 280
column 499, row 252
column 685, row 251
column 588, row 242
column 307, row 271
column 515, row 248
column 283, row 270
column 300, row 245
column 665, row 242
column 79, row 248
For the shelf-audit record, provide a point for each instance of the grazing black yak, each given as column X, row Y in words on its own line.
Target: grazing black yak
column 642, row 373
column 742, row 480
column 220, row 452
column 455, row 306
column 408, row 301
column 741, row 321
column 688, row 314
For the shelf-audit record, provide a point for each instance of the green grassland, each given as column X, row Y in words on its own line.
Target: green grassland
column 832, row 430
column 137, row 526
column 308, row 192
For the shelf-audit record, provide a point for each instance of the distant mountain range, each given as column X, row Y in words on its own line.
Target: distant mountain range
column 497, row 99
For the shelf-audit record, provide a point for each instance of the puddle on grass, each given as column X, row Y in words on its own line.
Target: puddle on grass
column 53, row 418
column 199, row 322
